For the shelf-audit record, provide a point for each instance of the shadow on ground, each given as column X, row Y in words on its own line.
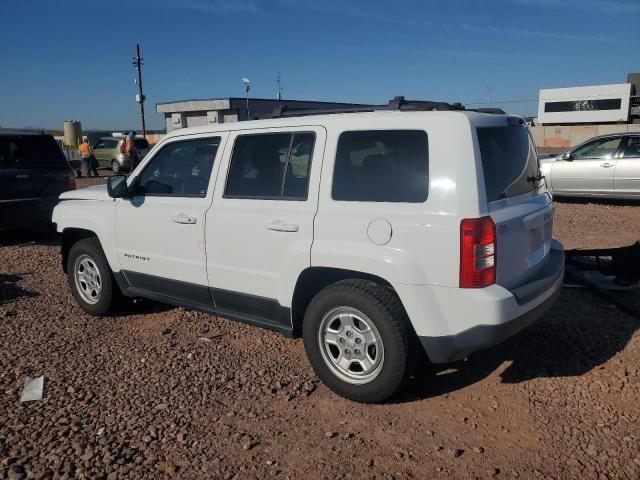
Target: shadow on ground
column 579, row 333
column 10, row 290
column 29, row 237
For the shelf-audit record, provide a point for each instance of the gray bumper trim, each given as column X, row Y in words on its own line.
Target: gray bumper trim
column 452, row 348
column 544, row 279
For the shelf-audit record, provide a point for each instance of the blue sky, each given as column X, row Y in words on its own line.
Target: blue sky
column 72, row 58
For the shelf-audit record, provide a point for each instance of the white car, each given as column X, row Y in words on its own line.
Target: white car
column 607, row 166
column 373, row 235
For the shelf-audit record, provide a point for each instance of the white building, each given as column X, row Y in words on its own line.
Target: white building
column 616, row 103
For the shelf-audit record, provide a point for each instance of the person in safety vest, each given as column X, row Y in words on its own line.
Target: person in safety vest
column 128, row 148
column 90, row 162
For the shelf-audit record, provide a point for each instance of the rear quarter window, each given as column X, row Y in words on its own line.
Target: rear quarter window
column 30, row 151
column 382, row 166
column 509, row 161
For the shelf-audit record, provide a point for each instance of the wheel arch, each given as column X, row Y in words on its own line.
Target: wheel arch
column 71, row 236
column 313, row 279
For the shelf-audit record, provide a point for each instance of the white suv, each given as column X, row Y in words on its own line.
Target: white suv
column 373, row 235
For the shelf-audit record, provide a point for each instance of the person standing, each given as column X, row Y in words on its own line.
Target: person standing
column 129, row 148
column 90, row 162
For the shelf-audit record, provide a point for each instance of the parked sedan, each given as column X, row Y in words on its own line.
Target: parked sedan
column 605, row 166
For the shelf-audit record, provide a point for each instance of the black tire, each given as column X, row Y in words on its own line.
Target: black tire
column 115, row 167
column 383, row 308
column 89, row 248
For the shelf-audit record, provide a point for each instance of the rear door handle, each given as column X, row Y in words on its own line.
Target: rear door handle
column 280, row 226
column 184, row 219
column 607, row 165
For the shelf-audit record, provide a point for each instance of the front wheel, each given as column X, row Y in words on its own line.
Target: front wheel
column 358, row 340
column 90, row 278
column 115, row 167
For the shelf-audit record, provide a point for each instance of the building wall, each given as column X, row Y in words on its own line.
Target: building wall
column 570, row 136
column 584, row 96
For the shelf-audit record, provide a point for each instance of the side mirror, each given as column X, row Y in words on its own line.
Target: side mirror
column 117, row 186
column 567, row 157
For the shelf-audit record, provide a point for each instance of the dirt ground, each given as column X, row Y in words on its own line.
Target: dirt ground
column 161, row 392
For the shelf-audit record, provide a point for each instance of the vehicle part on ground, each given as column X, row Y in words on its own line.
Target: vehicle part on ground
column 623, row 264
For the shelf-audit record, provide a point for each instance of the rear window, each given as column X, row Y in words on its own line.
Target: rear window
column 141, row 143
column 27, row 151
column 509, row 161
column 381, row 166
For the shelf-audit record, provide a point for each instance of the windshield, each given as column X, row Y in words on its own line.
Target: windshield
column 27, row 151
column 509, row 161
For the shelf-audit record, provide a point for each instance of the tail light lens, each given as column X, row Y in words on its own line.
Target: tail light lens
column 71, row 181
column 477, row 252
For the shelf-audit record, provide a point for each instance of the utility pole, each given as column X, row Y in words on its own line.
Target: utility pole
column 279, row 86
column 137, row 62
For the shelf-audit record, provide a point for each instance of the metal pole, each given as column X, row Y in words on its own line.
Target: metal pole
column 246, row 92
column 137, row 61
column 279, row 88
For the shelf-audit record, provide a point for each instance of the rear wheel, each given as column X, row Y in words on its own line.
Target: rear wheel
column 115, row 166
column 90, row 278
column 358, row 340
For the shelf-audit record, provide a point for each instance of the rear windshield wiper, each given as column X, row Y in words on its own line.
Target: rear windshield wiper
column 535, row 179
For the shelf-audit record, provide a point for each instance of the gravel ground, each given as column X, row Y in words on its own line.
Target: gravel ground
column 160, row 392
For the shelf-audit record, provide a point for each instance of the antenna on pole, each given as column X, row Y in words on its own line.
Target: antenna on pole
column 140, row 98
column 279, row 86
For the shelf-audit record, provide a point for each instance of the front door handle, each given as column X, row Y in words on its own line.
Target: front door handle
column 607, row 165
column 184, row 219
column 280, row 226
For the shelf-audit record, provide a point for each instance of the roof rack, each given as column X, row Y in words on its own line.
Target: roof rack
column 396, row 103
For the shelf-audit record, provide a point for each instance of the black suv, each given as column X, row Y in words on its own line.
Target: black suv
column 33, row 172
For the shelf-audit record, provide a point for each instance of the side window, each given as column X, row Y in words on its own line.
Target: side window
column 381, row 166
column 180, row 169
column 271, row 166
column 100, row 144
column 604, row 148
column 631, row 147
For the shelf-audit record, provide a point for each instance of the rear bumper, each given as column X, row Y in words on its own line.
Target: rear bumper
column 473, row 319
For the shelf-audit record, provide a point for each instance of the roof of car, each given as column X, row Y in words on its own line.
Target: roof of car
column 21, row 132
column 317, row 120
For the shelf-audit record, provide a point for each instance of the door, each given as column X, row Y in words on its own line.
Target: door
column 589, row 169
column 260, row 228
column 99, row 152
column 160, row 230
column 627, row 174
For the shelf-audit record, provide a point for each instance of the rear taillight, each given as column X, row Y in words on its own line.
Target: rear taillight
column 477, row 252
column 71, row 181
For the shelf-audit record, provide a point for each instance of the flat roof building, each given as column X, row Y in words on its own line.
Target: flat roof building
column 616, row 103
column 191, row 113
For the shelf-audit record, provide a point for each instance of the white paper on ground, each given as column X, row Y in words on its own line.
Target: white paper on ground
column 32, row 389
